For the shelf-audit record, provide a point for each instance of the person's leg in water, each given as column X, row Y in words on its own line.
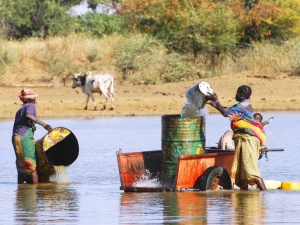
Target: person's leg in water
column 244, row 185
column 28, row 178
column 34, row 178
column 21, row 178
column 261, row 184
column 244, row 188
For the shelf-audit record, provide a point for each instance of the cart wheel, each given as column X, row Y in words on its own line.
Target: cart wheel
column 213, row 178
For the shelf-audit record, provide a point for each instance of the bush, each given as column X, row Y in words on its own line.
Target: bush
column 179, row 68
column 138, row 57
column 269, row 59
column 7, row 56
column 144, row 60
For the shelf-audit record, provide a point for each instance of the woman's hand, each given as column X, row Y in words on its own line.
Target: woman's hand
column 212, row 97
column 47, row 127
column 211, row 103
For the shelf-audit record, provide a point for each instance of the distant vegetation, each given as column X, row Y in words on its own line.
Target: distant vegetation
column 149, row 41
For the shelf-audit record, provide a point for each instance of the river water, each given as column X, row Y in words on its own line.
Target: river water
column 92, row 194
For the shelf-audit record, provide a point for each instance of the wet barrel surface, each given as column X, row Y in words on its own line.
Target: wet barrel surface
column 180, row 136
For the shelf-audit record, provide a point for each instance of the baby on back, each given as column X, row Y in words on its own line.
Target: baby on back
column 226, row 141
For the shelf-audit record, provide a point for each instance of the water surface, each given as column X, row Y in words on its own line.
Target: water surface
column 92, row 195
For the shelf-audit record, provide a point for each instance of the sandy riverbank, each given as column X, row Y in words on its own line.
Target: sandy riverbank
column 280, row 94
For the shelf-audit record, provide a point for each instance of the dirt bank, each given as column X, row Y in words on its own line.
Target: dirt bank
column 281, row 94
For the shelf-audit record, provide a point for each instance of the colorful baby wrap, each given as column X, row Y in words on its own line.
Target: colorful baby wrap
column 251, row 127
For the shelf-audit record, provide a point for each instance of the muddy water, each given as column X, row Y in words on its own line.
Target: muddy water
column 92, row 193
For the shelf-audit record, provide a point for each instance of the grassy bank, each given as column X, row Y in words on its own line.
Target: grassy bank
column 137, row 59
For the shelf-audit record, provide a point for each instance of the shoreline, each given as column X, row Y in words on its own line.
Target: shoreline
column 268, row 95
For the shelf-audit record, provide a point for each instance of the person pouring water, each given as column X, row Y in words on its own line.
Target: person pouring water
column 248, row 137
column 23, row 137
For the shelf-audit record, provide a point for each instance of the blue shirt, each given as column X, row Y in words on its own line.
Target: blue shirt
column 22, row 123
column 241, row 109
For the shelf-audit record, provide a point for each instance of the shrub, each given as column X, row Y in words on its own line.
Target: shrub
column 144, row 60
column 138, row 57
column 7, row 56
column 269, row 59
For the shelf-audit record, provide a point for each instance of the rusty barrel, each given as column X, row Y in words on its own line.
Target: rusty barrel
column 180, row 136
column 57, row 148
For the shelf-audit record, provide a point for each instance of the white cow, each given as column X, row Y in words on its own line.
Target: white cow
column 100, row 83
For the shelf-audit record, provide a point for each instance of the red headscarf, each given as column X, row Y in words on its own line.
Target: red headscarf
column 27, row 93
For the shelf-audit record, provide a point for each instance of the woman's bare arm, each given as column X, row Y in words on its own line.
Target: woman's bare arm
column 38, row 121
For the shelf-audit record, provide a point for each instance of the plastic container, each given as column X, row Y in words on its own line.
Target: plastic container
column 290, row 185
column 195, row 99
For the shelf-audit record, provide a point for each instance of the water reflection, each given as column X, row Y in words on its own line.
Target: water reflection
column 234, row 207
column 249, row 207
column 141, row 207
column 185, row 208
column 26, row 206
column 33, row 202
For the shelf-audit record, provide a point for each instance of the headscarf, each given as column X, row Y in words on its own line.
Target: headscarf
column 246, row 90
column 27, row 93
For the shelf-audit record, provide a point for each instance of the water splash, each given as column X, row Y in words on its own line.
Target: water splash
column 146, row 180
column 60, row 175
column 203, row 112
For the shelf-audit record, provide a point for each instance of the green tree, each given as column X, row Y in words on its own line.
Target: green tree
column 25, row 18
column 99, row 25
column 287, row 23
column 270, row 19
column 92, row 4
column 186, row 26
column 115, row 4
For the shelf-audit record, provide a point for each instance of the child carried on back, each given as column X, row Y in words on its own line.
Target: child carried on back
column 253, row 127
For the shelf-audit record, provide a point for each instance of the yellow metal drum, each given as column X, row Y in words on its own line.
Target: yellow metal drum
column 57, row 148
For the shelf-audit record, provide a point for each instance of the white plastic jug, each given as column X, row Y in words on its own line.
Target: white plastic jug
column 195, row 100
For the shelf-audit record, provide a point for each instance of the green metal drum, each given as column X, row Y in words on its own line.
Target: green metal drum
column 180, row 136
